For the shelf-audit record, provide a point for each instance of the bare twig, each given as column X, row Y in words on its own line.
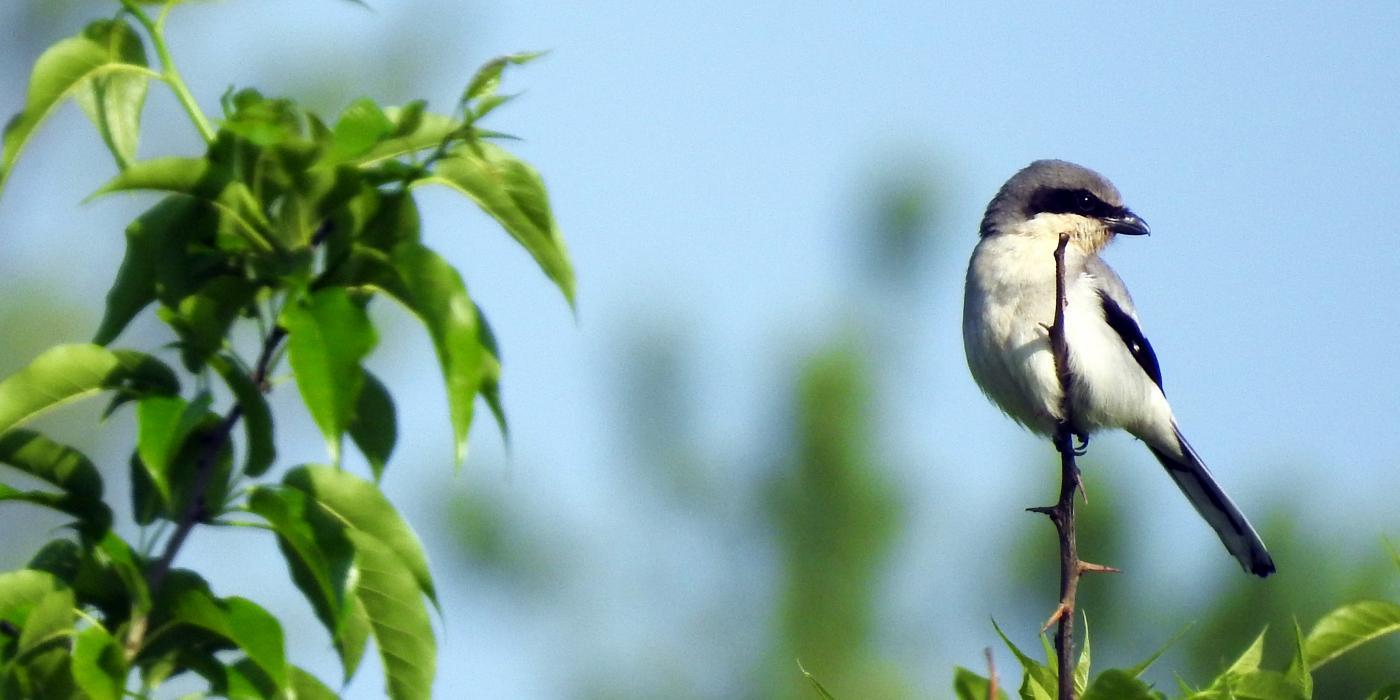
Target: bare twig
column 991, row 675
column 1062, row 513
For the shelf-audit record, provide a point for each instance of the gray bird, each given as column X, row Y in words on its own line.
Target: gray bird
column 1009, row 304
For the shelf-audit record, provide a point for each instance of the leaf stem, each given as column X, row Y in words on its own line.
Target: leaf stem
column 169, row 73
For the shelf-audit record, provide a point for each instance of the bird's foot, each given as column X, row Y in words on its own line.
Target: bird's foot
column 1083, row 447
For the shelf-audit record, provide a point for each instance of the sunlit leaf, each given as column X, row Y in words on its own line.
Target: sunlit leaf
column 361, row 126
column 113, row 101
column 99, row 666
column 1265, row 685
column 66, row 373
column 1081, row 669
column 435, row 292
column 1348, row 627
column 403, row 632
column 514, row 194
column 321, row 559
column 308, row 687
column 488, row 77
column 364, row 507
column 1039, row 682
column 415, row 130
column 257, row 417
column 50, row 618
column 328, row 336
column 67, row 67
column 374, row 427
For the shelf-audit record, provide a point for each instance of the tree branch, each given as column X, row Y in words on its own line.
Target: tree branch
column 197, row 510
column 1062, row 513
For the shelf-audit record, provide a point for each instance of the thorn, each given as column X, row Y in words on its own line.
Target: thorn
column 1091, row 568
column 1060, row 612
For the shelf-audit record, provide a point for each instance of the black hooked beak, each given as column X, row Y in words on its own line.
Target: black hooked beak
column 1127, row 223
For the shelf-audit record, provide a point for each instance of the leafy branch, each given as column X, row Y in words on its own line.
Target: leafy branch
column 296, row 225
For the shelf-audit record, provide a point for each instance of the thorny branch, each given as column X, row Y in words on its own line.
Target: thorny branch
column 1062, row 513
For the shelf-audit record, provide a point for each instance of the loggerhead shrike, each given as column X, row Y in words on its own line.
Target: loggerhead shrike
column 1009, row 304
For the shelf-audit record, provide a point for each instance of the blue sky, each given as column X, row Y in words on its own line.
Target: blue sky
column 705, row 163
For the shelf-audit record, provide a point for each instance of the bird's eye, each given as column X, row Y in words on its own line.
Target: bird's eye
column 1085, row 202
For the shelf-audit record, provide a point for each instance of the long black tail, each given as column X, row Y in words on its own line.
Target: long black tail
column 1211, row 502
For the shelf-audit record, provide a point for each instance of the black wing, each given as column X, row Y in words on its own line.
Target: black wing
column 1132, row 336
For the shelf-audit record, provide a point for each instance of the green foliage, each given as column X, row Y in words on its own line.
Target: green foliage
column 1337, row 633
column 292, row 225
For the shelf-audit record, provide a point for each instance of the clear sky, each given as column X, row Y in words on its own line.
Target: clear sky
column 706, row 161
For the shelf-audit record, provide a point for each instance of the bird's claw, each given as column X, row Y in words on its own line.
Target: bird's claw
column 1083, row 447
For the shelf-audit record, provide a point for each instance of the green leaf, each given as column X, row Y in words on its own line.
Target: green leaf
column 1040, row 681
column 491, row 376
column 70, row 66
column 1348, row 627
column 185, row 599
column 50, row 618
column 821, row 690
column 328, row 336
column 488, row 77
column 361, row 126
column 113, row 101
column 374, row 427
column 158, row 262
column 257, row 417
column 99, row 666
column 66, row 373
column 164, row 424
column 211, row 184
column 1081, row 669
column 21, row 591
column 1117, row 684
column 1266, row 685
column 402, row 630
column 1299, row 674
column 1249, row 660
column 970, row 686
column 321, row 559
column 308, row 687
column 362, row 506
column 434, row 291
column 414, row 131
column 202, row 320
column 114, row 553
column 61, row 466
column 260, row 120
column 514, row 194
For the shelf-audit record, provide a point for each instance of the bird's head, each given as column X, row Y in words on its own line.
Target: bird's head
column 1051, row 197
